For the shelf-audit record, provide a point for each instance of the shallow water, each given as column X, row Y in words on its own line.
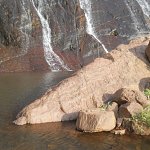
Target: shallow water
column 18, row 90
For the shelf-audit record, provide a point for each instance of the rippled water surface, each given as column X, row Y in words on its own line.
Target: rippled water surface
column 18, row 90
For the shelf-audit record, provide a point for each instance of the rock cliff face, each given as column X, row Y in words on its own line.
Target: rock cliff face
column 91, row 86
column 63, row 34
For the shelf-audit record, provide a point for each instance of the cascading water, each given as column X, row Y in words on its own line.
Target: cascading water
column 139, row 26
column 145, row 6
column 53, row 60
column 25, row 26
column 86, row 6
column 133, row 17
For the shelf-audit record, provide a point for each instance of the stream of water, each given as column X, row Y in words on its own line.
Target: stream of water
column 87, row 7
column 145, row 6
column 53, row 60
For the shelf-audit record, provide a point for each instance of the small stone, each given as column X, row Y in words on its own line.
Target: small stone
column 119, row 131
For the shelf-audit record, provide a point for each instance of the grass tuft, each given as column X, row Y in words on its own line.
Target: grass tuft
column 143, row 117
column 147, row 93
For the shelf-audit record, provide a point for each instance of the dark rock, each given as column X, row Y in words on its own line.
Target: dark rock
column 147, row 51
column 126, row 95
column 129, row 109
column 119, row 122
column 127, row 124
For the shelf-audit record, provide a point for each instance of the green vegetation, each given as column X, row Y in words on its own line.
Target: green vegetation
column 114, row 32
column 147, row 93
column 105, row 106
column 143, row 117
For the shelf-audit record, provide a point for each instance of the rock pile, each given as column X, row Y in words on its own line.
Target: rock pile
column 127, row 104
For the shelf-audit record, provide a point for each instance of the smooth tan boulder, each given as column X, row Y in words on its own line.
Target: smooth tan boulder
column 96, row 120
column 129, row 109
column 91, row 86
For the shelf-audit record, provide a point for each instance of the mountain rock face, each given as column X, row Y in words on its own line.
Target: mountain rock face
column 91, row 86
column 65, row 35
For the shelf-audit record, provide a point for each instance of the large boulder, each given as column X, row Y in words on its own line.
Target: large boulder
column 127, row 95
column 96, row 120
column 91, row 86
column 147, row 51
column 129, row 109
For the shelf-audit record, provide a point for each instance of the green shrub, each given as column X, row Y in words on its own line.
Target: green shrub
column 143, row 117
column 105, row 106
column 147, row 93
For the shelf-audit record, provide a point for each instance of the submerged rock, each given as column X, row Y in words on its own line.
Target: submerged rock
column 91, row 86
column 96, row 120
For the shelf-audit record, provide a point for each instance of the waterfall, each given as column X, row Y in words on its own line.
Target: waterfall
column 133, row 17
column 25, row 26
column 86, row 6
column 145, row 7
column 53, row 60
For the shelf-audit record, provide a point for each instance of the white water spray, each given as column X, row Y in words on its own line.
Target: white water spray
column 145, row 7
column 86, row 6
column 53, row 60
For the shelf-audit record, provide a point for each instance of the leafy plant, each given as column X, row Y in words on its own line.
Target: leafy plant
column 143, row 117
column 147, row 93
column 105, row 106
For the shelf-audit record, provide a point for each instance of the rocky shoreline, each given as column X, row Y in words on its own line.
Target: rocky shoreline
column 126, row 67
column 117, row 115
